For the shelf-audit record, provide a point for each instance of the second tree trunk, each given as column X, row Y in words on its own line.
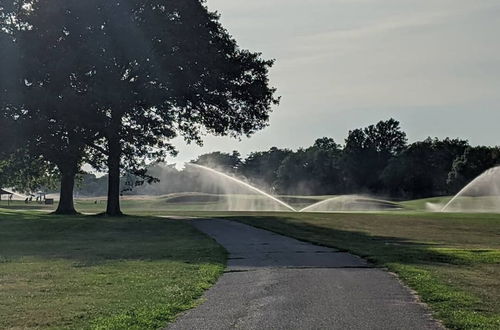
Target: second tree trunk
column 113, row 205
column 66, row 204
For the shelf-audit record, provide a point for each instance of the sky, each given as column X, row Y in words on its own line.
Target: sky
column 345, row 64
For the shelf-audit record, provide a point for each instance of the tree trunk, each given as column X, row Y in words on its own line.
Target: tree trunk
column 66, row 204
column 113, row 206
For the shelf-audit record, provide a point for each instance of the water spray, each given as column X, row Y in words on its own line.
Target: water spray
column 242, row 183
column 488, row 184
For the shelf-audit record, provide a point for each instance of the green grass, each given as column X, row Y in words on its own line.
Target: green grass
column 451, row 260
column 187, row 202
column 171, row 202
column 91, row 272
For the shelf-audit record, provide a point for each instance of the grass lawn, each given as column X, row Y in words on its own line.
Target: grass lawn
column 173, row 202
column 451, row 260
column 91, row 272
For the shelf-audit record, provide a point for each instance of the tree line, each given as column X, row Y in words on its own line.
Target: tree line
column 373, row 160
column 110, row 83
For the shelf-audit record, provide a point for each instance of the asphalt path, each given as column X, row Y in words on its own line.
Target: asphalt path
column 276, row 282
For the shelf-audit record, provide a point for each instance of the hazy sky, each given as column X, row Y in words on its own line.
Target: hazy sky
column 342, row 64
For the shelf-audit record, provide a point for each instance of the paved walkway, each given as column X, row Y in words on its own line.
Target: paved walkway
column 276, row 282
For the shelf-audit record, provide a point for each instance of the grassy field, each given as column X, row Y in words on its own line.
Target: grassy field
column 91, row 272
column 451, row 260
column 198, row 202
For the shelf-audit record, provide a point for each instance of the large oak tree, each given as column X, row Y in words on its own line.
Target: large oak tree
column 135, row 74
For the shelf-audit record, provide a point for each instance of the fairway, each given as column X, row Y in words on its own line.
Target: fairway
column 85, row 265
column 203, row 202
column 91, row 272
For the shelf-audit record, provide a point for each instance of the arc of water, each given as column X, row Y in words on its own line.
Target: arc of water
column 456, row 196
column 464, row 189
column 11, row 191
column 320, row 203
column 249, row 186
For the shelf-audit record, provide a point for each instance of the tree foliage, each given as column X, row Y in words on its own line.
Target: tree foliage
column 262, row 167
column 315, row 169
column 368, row 151
column 111, row 82
column 222, row 161
column 473, row 162
column 375, row 160
column 424, row 168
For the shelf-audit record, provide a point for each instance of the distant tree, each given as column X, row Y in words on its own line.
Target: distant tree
column 221, row 161
column 171, row 180
column 313, row 170
column 89, row 185
column 445, row 153
column 473, row 162
column 262, row 167
column 368, row 151
column 422, row 169
column 293, row 175
column 411, row 174
column 26, row 174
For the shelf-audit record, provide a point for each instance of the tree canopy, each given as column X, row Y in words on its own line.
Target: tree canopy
column 431, row 167
column 111, row 82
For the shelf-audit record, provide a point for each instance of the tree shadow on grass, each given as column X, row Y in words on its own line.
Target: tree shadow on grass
column 89, row 240
column 380, row 250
